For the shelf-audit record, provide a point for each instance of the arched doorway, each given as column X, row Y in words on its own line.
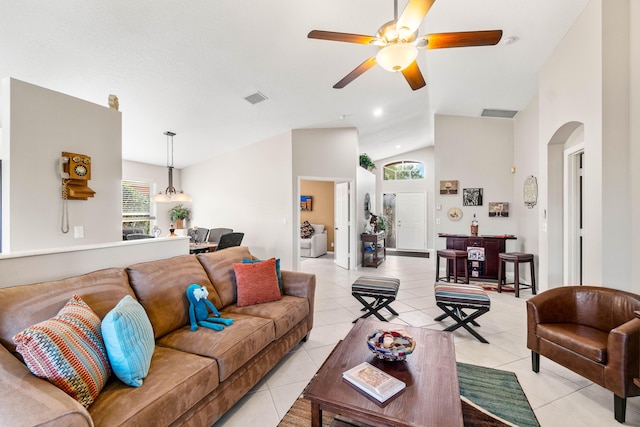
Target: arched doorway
column 562, row 218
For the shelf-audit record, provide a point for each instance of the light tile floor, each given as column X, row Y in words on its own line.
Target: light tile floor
column 558, row 396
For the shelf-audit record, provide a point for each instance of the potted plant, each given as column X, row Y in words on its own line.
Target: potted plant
column 178, row 214
column 366, row 162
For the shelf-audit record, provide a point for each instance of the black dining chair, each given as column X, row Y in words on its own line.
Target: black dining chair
column 215, row 233
column 229, row 240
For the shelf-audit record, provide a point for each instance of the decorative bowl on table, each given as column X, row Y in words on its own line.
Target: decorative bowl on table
column 391, row 345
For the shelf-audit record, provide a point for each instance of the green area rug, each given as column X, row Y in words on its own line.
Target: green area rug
column 490, row 398
column 496, row 392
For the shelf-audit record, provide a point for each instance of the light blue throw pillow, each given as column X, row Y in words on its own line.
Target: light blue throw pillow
column 251, row 261
column 128, row 338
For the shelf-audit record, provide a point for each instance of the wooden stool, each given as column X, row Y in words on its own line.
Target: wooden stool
column 516, row 258
column 455, row 298
column 452, row 256
column 383, row 290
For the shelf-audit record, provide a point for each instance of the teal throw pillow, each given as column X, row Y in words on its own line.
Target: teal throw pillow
column 251, row 261
column 128, row 338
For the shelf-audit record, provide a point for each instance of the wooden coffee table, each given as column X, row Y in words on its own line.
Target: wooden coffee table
column 432, row 395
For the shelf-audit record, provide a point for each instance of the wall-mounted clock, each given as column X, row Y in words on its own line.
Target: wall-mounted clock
column 367, row 206
column 454, row 214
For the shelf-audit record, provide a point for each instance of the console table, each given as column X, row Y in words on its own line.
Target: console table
column 493, row 245
column 373, row 258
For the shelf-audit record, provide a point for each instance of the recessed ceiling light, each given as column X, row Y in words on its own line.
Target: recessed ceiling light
column 398, row 146
column 377, row 112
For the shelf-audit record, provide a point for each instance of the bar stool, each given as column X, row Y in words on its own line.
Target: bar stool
column 452, row 256
column 516, row 258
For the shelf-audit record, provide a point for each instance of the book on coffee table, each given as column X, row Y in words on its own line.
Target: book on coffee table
column 373, row 381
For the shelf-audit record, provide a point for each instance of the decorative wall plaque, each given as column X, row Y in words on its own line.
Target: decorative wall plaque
column 530, row 191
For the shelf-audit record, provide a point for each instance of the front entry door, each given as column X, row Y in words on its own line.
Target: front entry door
column 411, row 214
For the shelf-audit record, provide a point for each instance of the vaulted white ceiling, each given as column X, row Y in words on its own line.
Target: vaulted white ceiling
column 187, row 66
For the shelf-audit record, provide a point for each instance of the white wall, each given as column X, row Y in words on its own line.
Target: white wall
column 634, row 148
column 426, row 185
column 525, row 160
column 478, row 152
column 326, row 154
column 586, row 80
column 47, row 265
column 249, row 190
column 158, row 175
column 38, row 125
column 366, row 184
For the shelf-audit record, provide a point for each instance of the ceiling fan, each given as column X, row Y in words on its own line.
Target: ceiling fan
column 399, row 43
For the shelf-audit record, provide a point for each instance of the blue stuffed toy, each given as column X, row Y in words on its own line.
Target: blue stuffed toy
column 198, row 313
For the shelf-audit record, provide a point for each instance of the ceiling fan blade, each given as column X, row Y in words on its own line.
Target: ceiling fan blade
column 340, row 37
column 462, row 39
column 414, row 76
column 357, row 72
column 413, row 14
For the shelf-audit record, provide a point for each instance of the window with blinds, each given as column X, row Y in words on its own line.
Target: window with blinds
column 136, row 205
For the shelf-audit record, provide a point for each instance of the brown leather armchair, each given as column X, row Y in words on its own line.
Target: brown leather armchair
column 592, row 331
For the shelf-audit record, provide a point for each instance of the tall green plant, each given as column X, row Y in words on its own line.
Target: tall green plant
column 366, row 162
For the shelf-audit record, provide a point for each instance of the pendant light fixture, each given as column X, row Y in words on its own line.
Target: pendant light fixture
column 170, row 194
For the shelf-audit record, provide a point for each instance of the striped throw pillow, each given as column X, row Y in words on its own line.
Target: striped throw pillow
column 68, row 351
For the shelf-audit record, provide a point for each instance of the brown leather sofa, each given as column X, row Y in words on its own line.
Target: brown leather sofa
column 593, row 332
column 194, row 376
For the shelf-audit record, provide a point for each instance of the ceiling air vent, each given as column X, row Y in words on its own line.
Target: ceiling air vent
column 503, row 114
column 255, row 98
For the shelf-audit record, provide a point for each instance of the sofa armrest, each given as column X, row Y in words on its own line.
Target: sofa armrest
column 623, row 351
column 318, row 244
column 298, row 284
column 26, row 400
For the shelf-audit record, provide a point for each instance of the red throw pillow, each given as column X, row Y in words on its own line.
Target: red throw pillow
column 257, row 283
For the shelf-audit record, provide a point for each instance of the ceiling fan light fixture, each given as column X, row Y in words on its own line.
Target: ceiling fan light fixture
column 397, row 56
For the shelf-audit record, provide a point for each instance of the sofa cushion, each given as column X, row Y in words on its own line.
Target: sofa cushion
column 176, row 382
column 285, row 313
column 257, row 283
column 584, row 340
column 23, row 306
column 128, row 338
column 231, row 347
column 278, row 272
column 219, row 268
column 306, row 230
column 68, row 351
column 305, row 243
column 161, row 288
column 318, row 228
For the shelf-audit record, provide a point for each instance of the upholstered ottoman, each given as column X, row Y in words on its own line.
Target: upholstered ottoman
column 455, row 298
column 380, row 290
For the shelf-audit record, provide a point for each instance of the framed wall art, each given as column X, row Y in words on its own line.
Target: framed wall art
column 472, row 197
column 499, row 209
column 530, row 191
column 449, row 187
column 306, row 203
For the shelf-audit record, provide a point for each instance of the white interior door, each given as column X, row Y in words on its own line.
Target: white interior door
column 341, row 235
column 411, row 221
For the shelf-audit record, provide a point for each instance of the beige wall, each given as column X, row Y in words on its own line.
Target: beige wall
column 322, row 208
column 586, row 81
column 38, row 125
column 250, row 191
column 326, row 154
column 426, row 185
column 478, row 152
